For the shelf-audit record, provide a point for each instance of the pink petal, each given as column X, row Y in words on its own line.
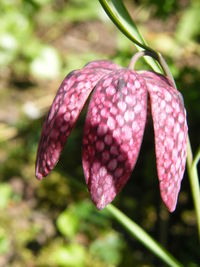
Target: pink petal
column 113, row 133
column 170, row 127
column 64, row 112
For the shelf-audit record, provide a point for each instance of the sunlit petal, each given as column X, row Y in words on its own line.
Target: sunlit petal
column 64, row 112
column 170, row 128
column 113, row 133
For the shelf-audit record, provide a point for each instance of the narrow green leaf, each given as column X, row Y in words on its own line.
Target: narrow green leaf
column 129, row 24
column 119, row 15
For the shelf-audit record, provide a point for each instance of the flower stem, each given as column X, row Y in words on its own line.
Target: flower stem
column 196, row 158
column 194, row 181
column 140, row 54
column 158, row 57
column 143, row 237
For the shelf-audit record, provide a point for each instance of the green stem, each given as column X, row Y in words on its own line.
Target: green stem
column 143, row 237
column 194, row 181
column 158, row 57
column 166, row 69
column 196, row 158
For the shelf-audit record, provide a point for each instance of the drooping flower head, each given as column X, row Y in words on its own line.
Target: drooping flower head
column 114, row 128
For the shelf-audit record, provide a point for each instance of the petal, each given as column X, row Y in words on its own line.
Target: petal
column 170, row 128
column 65, row 109
column 113, row 133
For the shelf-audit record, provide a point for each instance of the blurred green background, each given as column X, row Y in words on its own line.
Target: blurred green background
column 53, row 222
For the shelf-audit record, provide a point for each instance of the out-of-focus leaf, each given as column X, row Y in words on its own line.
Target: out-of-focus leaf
column 47, row 64
column 5, row 194
column 8, row 48
column 188, row 216
column 164, row 9
column 108, row 249
column 72, row 255
column 7, row 132
column 42, row 2
column 75, row 62
column 86, row 212
column 80, row 11
column 33, row 48
column 8, row 42
column 68, row 223
column 4, row 242
column 188, row 26
column 16, row 23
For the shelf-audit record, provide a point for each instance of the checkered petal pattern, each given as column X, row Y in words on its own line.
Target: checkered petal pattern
column 114, row 128
column 113, row 133
column 170, row 129
column 65, row 109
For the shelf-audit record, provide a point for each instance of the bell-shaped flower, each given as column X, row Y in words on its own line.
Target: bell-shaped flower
column 114, row 128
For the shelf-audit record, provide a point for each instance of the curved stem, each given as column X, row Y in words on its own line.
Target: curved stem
column 158, row 57
column 138, row 55
column 143, row 237
column 166, row 69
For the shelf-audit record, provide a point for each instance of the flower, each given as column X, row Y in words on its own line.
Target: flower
column 114, row 128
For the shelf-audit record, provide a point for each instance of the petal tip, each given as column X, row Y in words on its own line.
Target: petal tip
column 38, row 174
column 171, row 208
column 170, row 200
column 101, row 203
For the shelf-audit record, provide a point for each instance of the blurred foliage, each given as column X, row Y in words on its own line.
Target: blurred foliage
column 187, row 29
column 163, row 10
column 53, row 223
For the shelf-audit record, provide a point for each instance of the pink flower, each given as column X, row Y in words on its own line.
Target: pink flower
column 114, row 128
